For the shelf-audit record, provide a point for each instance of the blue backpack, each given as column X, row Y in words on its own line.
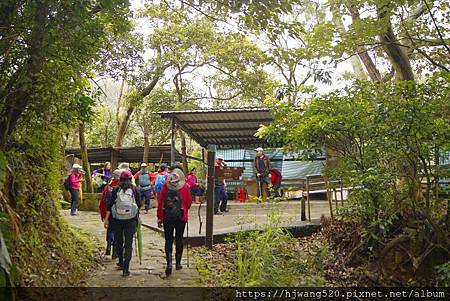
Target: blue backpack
column 159, row 182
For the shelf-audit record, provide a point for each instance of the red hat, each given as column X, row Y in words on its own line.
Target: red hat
column 125, row 174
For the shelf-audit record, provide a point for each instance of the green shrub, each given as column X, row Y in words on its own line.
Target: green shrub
column 268, row 258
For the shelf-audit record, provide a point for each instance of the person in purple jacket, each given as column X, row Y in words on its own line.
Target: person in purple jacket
column 102, row 176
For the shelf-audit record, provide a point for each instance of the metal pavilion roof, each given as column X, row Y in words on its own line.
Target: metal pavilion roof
column 157, row 153
column 226, row 128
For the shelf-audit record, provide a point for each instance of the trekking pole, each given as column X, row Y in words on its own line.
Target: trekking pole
column 187, row 242
column 135, row 244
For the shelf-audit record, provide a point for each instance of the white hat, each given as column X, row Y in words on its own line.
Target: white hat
column 76, row 166
column 219, row 157
column 124, row 165
column 143, row 165
column 176, row 179
column 260, row 149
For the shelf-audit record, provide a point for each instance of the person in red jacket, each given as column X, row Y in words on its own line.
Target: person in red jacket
column 173, row 205
column 104, row 203
column 275, row 178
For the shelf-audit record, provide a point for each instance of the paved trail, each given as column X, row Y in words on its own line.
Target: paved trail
column 148, row 274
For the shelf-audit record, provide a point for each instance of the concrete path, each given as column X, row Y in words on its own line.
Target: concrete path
column 148, row 274
column 246, row 216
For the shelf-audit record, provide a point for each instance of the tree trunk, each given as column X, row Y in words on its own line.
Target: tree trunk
column 397, row 55
column 114, row 158
column 183, row 151
column 123, row 124
column 119, row 102
column 146, row 143
column 121, row 131
column 84, row 157
column 75, row 138
column 371, row 69
column 358, row 68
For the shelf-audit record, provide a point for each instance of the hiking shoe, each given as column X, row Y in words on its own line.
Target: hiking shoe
column 126, row 274
column 119, row 266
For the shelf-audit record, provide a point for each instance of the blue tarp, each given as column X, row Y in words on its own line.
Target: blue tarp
column 290, row 170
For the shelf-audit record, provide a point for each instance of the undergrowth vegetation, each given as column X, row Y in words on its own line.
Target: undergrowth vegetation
column 44, row 250
column 271, row 257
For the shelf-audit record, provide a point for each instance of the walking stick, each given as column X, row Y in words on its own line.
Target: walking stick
column 187, row 242
column 135, row 244
column 200, row 219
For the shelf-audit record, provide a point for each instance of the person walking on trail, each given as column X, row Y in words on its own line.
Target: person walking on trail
column 75, row 178
column 275, row 178
column 172, row 213
column 261, row 166
column 124, row 209
column 220, row 193
column 160, row 179
column 104, row 204
column 144, row 182
column 196, row 188
column 126, row 166
column 102, row 176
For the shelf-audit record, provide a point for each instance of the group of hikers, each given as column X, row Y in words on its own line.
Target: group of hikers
column 123, row 194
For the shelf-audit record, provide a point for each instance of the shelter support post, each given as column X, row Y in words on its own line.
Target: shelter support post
column 329, row 197
column 172, row 142
column 209, row 239
column 303, row 208
column 307, row 199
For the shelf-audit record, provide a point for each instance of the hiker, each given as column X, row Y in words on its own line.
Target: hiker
column 160, row 179
column 102, row 176
column 173, row 204
column 143, row 181
column 124, row 209
column 104, row 204
column 75, row 178
column 261, row 166
column 126, row 166
column 221, row 197
column 275, row 178
column 196, row 188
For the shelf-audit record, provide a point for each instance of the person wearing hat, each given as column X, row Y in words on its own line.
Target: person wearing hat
column 144, row 181
column 221, row 197
column 126, row 166
column 173, row 205
column 124, row 210
column 76, row 177
column 104, row 204
column 261, row 166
